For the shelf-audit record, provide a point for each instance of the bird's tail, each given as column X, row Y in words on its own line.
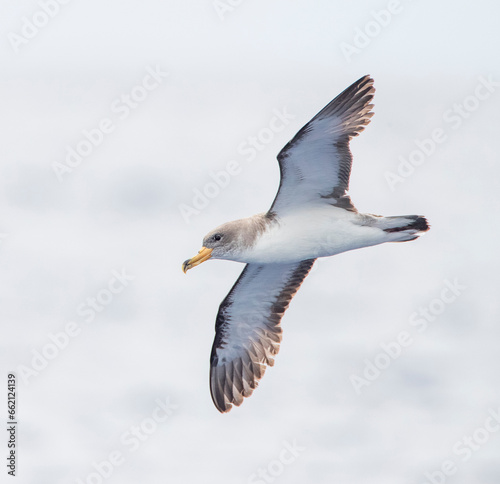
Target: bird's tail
column 403, row 228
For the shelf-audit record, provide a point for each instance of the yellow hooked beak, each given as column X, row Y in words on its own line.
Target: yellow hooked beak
column 203, row 255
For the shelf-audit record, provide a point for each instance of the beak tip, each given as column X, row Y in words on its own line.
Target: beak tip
column 203, row 255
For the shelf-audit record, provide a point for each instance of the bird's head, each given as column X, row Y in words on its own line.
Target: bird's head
column 220, row 243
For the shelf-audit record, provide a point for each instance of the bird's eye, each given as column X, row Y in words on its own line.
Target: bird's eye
column 217, row 237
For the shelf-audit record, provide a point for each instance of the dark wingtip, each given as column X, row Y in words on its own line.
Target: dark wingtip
column 365, row 79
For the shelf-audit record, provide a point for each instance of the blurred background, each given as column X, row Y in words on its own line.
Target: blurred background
column 130, row 129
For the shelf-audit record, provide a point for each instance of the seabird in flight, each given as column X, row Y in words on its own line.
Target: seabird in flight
column 312, row 216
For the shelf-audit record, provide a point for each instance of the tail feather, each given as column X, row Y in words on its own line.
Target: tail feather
column 403, row 228
column 416, row 222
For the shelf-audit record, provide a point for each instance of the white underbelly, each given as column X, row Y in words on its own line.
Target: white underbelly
column 310, row 234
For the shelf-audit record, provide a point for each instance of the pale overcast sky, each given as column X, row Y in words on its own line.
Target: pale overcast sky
column 129, row 132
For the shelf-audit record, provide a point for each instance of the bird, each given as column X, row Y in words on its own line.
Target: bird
column 311, row 216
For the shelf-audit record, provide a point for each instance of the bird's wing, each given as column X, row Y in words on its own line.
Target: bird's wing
column 248, row 332
column 316, row 164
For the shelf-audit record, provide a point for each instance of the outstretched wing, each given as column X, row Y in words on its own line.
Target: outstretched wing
column 248, row 332
column 316, row 164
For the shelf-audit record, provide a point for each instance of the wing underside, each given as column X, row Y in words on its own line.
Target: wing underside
column 248, row 331
column 316, row 164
